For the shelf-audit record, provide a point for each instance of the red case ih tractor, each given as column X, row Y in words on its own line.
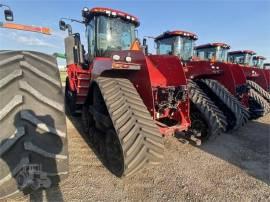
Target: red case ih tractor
column 256, row 78
column 248, row 61
column 249, row 98
column 209, row 77
column 126, row 99
column 258, row 62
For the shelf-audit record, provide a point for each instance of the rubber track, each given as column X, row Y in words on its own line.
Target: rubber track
column 214, row 118
column 260, row 101
column 32, row 119
column 139, row 136
column 260, row 90
column 241, row 114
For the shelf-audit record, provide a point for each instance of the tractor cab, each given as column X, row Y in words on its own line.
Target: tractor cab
column 257, row 61
column 107, row 30
column 241, row 57
column 212, row 51
column 178, row 43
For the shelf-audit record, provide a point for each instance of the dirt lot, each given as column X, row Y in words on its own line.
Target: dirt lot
column 235, row 167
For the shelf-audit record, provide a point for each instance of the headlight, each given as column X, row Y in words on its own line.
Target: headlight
column 116, row 57
column 128, row 59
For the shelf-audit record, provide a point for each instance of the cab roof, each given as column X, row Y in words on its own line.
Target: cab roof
column 212, row 45
column 169, row 34
column 257, row 57
column 89, row 14
column 242, row 52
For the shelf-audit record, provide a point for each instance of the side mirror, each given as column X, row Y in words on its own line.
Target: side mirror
column 8, row 15
column 62, row 25
column 145, row 46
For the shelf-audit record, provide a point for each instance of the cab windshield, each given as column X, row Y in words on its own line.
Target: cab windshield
column 215, row 53
column 244, row 59
column 109, row 34
column 258, row 62
column 177, row 45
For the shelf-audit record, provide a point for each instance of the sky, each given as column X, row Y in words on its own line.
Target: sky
column 243, row 24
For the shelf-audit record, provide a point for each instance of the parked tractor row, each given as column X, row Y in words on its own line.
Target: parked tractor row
column 128, row 99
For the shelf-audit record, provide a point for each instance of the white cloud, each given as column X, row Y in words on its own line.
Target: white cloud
column 33, row 41
column 29, row 39
column 59, row 34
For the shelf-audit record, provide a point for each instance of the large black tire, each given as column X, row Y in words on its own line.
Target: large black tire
column 131, row 138
column 259, row 102
column 260, row 90
column 239, row 112
column 32, row 122
column 211, row 121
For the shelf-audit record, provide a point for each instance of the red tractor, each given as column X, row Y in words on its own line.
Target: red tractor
column 258, row 61
column 127, row 100
column 204, row 113
column 256, row 77
column 213, row 77
column 249, row 98
column 247, row 60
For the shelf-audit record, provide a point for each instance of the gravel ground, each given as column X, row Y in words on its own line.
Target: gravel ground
column 234, row 167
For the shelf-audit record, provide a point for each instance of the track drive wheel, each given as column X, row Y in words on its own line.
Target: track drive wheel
column 122, row 131
column 206, row 118
column 225, row 99
column 263, row 93
column 258, row 105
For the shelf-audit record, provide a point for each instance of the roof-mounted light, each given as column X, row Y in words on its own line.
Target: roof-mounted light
column 113, row 13
column 85, row 9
